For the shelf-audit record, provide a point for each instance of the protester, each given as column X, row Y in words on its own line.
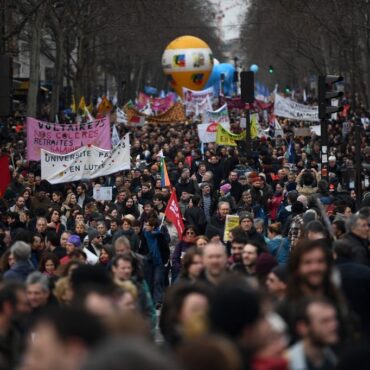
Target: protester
column 144, row 254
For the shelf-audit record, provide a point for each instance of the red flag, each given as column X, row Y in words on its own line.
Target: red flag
column 5, row 174
column 173, row 214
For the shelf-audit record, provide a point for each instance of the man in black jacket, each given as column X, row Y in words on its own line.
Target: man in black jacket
column 357, row 237
column 355, row 282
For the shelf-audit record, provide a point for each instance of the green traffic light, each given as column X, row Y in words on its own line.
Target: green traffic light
column 271, row 69
column 287, row 89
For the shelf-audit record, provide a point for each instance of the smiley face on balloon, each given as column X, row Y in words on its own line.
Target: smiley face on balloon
column 188, row 61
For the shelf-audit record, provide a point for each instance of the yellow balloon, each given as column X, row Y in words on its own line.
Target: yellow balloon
column 188, row 61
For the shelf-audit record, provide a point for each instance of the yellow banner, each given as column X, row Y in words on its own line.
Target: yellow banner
column 225, row 137
column 254, row 126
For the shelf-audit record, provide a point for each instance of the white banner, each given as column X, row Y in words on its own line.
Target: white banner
column 120, row 116
column 285, row 107
column 192, row 98
column 207, row 131
column 221, row 115
column 88, row 162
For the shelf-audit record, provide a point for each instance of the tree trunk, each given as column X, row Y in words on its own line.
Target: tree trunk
column 33, row 90
column 58, row 74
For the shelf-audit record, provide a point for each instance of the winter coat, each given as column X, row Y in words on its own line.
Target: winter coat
column 180, row 250
column 19, row 271
column 359, row 247
column 131, row 236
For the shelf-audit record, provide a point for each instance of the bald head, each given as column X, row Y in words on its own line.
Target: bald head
column 214, row 259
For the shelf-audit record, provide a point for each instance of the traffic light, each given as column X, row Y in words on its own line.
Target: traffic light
column 287, row 89
column 326, row 94
column 271, row 69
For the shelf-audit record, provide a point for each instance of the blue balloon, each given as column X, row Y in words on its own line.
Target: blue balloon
column 227, row 70
column 150, row 90
column 254, row 68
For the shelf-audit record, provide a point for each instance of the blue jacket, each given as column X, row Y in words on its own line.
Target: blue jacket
column 279, row 247
column 19, row 271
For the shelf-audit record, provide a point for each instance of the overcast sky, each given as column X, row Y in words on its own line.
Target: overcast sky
column 232, row 16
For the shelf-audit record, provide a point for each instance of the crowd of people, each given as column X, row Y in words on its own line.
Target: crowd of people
column 88, row 284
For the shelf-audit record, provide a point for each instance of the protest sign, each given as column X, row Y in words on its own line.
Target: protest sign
column 221, row 115
column 285, row 107
column 207, row 131
column 87, row 162
column 102, row 193
column 232, row 221
column 302, row 131
column 192, row 98
column 65, row 138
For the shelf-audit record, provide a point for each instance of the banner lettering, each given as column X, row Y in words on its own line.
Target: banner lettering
column 65, row 138
column 87, row 162
column 285, row 107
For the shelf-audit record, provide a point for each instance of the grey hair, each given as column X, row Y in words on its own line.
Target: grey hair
column 37, row 277
column 352, row 221
column 222, row 203
column 121, row 240
column 258, row 222
column 21, row 251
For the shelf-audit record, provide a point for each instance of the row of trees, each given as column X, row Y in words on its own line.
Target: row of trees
column 303, row 38
column 88, row 40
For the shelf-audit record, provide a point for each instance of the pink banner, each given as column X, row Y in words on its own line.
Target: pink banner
column 163, row 104
column 62, row 139
column 142, row 101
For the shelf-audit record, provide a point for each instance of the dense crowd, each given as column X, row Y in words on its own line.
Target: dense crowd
column 90, row 284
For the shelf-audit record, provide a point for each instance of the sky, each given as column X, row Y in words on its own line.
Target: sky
column 232, row 16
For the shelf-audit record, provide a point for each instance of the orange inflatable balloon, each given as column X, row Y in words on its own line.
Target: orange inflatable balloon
column 188, row 61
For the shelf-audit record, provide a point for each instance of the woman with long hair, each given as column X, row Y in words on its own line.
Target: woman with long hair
column 49, row 264
column 188, row 240
column 54, row 222
column 192, row 265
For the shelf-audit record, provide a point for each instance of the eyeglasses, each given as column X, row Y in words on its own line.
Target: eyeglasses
column 190, row 233
column 100, row 237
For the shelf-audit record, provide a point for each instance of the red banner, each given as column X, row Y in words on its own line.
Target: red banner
column 5, row 174
column 173, row 214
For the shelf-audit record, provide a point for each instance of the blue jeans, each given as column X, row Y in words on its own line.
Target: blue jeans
column 154, row 275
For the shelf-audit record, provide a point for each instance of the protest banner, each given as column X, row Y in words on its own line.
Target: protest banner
column 65, row 138
column 160, row 105
column 192, row 98
column 202, row 107
column 285, row 107
column 225, row 137
column 175, row 114
column 231, row 222
column 121, row 116
column 87, row 162
column 221, row 115
column 207, row 131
